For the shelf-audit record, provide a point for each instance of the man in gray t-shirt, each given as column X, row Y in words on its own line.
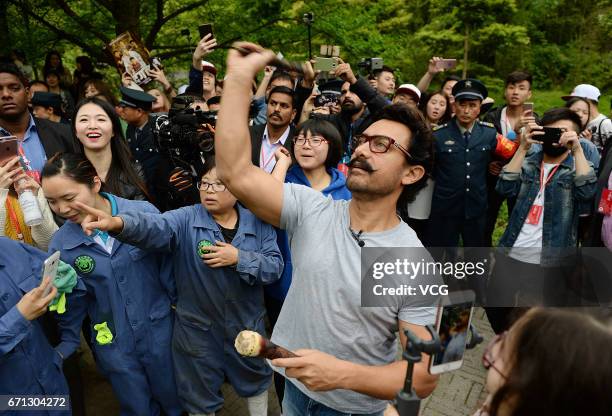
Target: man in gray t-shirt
column 346, row 353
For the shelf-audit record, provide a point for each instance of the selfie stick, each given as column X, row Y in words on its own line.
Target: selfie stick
column 407, row 402
column 277, row 62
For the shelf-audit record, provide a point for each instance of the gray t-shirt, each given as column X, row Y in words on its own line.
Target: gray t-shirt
column 323, row 310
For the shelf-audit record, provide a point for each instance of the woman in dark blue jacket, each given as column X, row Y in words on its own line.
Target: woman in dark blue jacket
column 129, row 291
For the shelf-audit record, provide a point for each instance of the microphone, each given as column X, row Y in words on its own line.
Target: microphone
column 357, row 237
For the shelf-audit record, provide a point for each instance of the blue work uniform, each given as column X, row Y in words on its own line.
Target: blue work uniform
column 131, row 291
column 214, row 304
column 459, row 202
column 28, row 363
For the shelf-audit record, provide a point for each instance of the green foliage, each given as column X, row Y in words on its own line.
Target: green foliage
column 562, row 42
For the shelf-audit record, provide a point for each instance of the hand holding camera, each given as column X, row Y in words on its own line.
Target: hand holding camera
column 205, row 46
column 532, row 135
column 344, row 71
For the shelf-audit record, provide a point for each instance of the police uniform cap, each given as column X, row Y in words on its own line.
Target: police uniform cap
column 136, row 99
column 47, row 99
column 470, row 89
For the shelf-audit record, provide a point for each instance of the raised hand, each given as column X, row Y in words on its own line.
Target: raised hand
column 205, row 46
column 344, row 71
column 245, row 67
column 97, row 219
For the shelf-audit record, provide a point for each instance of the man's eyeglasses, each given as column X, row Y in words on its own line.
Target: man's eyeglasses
column 217, row 187
column 379, row 144
column 314, row 141
column 488, row 358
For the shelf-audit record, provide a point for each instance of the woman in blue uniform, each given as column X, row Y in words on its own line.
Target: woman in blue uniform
column 222, row 256
column 28, row 363
column 129, row 291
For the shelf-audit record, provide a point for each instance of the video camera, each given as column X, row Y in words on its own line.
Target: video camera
column 370, row 65
column 185, row 129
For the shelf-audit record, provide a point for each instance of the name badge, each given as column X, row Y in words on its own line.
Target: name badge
column 534, row 215
column 605, row 203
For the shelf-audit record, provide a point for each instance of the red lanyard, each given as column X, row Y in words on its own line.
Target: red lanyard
column 13, row 219
column 548, row 178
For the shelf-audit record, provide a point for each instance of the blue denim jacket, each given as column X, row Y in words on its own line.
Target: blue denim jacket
column 565, row 197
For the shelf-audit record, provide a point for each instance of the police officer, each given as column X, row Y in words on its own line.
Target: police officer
column 464, row 147
column 136, row 106
column 29, row 365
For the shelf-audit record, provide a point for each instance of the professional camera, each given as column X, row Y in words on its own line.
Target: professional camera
column 187, row 129
column 370, row 65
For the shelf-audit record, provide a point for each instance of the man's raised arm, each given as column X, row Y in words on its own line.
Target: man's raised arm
column 257, row 190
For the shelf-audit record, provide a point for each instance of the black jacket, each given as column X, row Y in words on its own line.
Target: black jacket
column 56, row 137
column 257, row 136
column 374, row 102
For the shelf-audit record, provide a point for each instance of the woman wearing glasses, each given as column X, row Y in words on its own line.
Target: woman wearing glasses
column 222, row 256
column 317, row 149
column 551, row 362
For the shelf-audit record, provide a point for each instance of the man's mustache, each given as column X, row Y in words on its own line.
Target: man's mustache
column 361, row 164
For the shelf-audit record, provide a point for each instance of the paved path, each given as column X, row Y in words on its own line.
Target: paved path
column 458, row 393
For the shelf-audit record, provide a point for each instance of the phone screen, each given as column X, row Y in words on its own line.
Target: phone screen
column 446, row 63
column 453, row 330
column 50, row 267
column 528, row 107
column 205, row 29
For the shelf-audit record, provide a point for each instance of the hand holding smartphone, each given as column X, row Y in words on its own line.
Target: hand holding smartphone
column 528, row 106
column 446, row 64
column 453, row 327
column 50, row 267
column 205, row 29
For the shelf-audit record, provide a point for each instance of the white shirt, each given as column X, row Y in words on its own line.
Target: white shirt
column 266, row 155
column 108, row 245
column 530, row 236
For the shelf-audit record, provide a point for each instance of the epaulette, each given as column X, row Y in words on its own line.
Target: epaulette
column 486, row 123
column 440, row 126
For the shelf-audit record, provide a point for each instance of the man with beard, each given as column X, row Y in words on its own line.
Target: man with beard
column 278, row 130
column 349, row 366
column 38, row 139
column 359, row 102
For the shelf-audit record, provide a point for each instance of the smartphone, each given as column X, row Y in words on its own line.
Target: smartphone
column 446, row 64
column 8, row 149
column 326, row 100
column 205, row 29
column 50, row 269
column 325, row 64
column 551, row 135
column 453, row 327
column 528, row 106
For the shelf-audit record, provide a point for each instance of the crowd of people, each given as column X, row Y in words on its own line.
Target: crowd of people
column 184, row 216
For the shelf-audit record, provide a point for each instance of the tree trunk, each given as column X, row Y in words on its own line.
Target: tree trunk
column 5, row 37
column 466, row 45
column 127, row 13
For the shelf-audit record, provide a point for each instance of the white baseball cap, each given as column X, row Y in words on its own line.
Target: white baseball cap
column 588, row 91
column 409, row 89
column 209, row 67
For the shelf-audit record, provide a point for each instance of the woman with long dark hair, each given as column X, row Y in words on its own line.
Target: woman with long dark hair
column 129, row 292
column 99, row 132
column 551, row 362
column 436, row 108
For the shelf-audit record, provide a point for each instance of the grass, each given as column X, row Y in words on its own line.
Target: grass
column 544, row 100
column 501, row 224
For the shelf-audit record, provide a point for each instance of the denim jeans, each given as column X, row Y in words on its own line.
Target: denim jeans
column 297, row 403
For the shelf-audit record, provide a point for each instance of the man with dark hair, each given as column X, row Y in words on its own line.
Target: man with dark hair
column 38, row 139
column 136, row 109
column 385, row 81
column 272, row 79
column 48, row 106
column 507, row 122
column 278, row 130
column 464, row 147
column 350, row 364
column 552, row 183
